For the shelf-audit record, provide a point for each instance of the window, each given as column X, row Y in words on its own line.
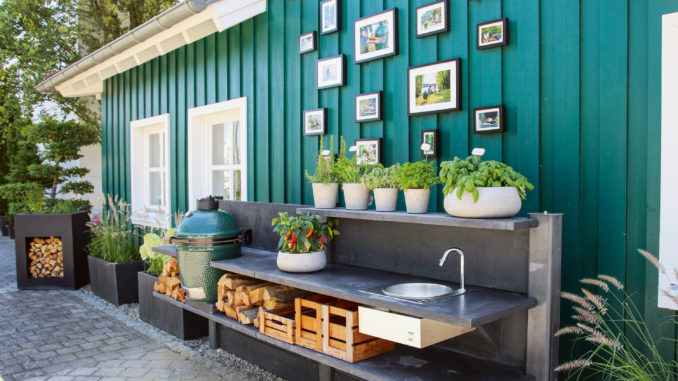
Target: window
column 149, row 149
column 217, row 151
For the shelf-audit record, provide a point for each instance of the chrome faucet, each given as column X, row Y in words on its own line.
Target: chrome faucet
column 461, row 264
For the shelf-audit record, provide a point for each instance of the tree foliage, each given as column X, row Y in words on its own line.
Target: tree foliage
column 39, row 38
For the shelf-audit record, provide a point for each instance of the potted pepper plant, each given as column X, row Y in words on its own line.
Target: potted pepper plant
column 383, row 182
column 416, row 179
column 324, row 181
column 356, row 194
column 302, row 242
column 482, row 189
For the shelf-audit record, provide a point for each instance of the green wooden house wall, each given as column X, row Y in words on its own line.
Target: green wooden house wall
column 580, row 80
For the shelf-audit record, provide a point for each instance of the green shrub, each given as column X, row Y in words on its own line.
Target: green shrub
column 417, row 175
column 380, row 177
column 466, row 175
column 113, row 237
column 347, row 169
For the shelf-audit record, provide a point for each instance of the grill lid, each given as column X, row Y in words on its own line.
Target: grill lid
column 207, row 226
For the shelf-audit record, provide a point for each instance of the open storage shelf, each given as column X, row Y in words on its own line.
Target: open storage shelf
column 439, row 219
column 402, row 364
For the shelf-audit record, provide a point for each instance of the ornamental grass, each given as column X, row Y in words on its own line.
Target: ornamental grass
column 112, row 234
column 618, row 344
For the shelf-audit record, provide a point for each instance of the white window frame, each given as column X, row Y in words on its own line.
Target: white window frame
column 142, row 213
column 200, row 121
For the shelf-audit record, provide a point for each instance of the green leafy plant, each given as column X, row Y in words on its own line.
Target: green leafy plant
column 617, row 341
column 304, row 233
column 113, row 236
column 380, row 177
column 325, row 171
column 154, row 260
column 417, row 175
column 467, row 174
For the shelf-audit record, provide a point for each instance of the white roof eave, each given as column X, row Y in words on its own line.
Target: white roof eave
column 180, row 25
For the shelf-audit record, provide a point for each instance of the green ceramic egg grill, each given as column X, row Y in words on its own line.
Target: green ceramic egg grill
column 205, row 235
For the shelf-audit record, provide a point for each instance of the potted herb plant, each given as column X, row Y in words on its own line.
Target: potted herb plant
column 302, row 242
column 114, row 258
column 383, row 182
column 416, row 179
column 482, row 189
column 356, row 194
column 324, row 181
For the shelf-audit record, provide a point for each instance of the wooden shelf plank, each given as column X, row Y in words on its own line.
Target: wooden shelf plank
column 438, row 219
column 402, row 364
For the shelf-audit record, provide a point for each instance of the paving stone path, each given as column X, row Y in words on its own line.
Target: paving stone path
column 68, row 335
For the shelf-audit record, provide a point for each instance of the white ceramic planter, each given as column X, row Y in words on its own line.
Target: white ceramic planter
column 301, row 263
column 493, row 202
column 356, row 196
column 325, row 195
column 416, row 200
column 385, row 199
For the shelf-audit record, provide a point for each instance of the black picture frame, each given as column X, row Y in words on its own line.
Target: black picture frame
column 340, row 83
column 314, row 45
column 356, row 33
column 337, row 16
column 379, row 105
column 379, row 149
column 505, row 34
column 322, row 131
column 501, row 126
column 434, row 146
column 457, row 88
column 446, row 15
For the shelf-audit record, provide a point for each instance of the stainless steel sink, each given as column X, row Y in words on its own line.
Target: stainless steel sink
column 417, row 291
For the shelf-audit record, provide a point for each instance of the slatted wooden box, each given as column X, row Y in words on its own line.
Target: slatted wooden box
column 309, row 317
column 341, row 337
column 278, row 323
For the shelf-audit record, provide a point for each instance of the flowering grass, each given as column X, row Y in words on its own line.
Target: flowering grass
column 112, row 234
column 620, row 345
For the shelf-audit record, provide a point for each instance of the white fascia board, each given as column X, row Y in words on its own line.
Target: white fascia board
column 216, row 17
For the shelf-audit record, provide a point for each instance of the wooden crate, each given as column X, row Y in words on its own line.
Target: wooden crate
column 309, row 315
column 341, row 338
column 278, row 323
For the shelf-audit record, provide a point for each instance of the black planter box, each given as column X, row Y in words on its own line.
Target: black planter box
column 116, row 283
column 74, row 234
column 168, row 317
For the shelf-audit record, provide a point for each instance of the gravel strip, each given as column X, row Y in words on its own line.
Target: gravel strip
column 197, row 346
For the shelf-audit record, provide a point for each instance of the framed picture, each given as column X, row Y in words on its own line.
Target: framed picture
column 492, row 34
column 368, row 107
column 488, row 119
column 432, row 18
column 429, row 137
column 376, row 36
column 331, row 71
column 329, row 16
column 315, row 121
column 433, row 87
column 368, row 151
column 307, row 43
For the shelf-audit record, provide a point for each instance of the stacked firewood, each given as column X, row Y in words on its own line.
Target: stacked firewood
column 169, row 283
column 241, row 297
column 46, row 258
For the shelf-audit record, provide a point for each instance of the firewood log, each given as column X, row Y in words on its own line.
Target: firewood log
column 248, row 316
column 234, row 283
column 230, row 312
column 230, row 296
column 272, row 303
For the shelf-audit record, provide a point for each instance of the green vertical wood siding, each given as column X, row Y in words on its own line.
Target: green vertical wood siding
column 580, row 81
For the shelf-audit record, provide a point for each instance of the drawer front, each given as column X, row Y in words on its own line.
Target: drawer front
column 390, row 326
column 408, row 330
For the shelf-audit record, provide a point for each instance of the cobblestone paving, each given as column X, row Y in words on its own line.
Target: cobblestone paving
column 68, row 335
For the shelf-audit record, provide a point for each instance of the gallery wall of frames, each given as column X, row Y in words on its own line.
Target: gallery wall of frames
column 393, row 72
